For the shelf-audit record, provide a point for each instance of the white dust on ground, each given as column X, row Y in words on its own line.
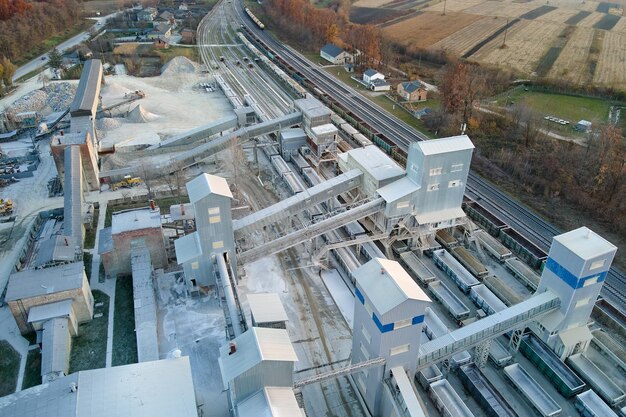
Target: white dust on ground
column 173, row 105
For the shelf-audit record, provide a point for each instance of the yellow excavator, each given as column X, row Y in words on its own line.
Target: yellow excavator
column 6, row 207
column 127, row 182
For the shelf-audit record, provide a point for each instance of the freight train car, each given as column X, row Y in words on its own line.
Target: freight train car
column 256, row 21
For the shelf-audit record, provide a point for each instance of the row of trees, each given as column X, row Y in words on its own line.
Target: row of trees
column 308, row 25
column 28, row 28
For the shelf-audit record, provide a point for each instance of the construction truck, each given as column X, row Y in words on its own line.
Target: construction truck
column 6, row 207
column 127, row 182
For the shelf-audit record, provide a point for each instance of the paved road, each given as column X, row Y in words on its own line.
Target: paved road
column 42, row 60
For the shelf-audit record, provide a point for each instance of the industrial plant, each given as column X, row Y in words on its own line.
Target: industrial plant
column 287, row 256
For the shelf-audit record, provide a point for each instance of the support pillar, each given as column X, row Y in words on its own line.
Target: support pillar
column 481, row 352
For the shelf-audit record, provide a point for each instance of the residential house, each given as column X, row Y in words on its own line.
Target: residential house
column 335, row 54
column 146, row 15
column 166, row 15
column 161, row 44
column 371, row 74
column 379, row 85
column 412, row 91
column 188, row 36
column 161, row 31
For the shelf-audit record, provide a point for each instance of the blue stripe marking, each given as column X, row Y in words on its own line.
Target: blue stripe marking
column 359, row 295
column 384, row 328
column 417, row 320
column 569, row 278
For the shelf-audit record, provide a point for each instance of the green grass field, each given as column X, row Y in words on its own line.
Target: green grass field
column 32, row 372
column 89, row 348
column 9, row 368
column 124, row 338
column 570, row 108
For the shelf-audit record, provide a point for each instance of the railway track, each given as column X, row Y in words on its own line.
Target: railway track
column 517, row 215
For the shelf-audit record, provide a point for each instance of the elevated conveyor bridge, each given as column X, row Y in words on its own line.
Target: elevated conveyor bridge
column 207, row 149
column 512, row 318
column 295, row 204
column 313, row 230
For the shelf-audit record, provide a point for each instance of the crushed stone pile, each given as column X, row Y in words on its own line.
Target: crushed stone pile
column 107, row 123
column 179, row 65
column 140, row 115
column 54, row 97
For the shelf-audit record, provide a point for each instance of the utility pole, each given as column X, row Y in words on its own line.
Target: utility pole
column 444, row 7
column 506, row 29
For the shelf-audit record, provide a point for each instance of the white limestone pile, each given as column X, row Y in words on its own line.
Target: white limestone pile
column 108, row 123
column 140, row 115
column 179, row 65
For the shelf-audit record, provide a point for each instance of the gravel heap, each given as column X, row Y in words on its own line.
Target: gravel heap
column 107, row 123
column 179, row 65
column 54, row 97
column 140, row 115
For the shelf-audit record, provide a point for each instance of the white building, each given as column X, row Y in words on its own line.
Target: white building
column 257, row 359
column 211, row 199
column 388, row 315
column 149, row 389
column 577, row 265
column 371, row 74
column 334, row 54
column 440, row 168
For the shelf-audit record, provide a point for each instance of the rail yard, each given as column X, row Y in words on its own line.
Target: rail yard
column 291, row 249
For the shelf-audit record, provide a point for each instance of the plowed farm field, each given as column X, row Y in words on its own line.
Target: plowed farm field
column 428, row 28
column 498, row 8
column 463, row 40
column 571, row 65
column 590, row 20
column 454, row 5
column 611, row 67
column 620, row 26
column 526, row 43
column 590, row 50
column 558, row 15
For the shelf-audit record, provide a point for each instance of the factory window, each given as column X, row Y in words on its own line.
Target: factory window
column 454, row 183
column 366, row 334
column 597, row 264
column 399, row 349
column 218, row 245
column 214, row 211
column 582, row 303
column 365, row 353
column 402, row 323
column 215, row 219
column 436, row 171
column 456, row 167
column 402, row 204
column 591, row 281
column 433, row 187
column 195, row 265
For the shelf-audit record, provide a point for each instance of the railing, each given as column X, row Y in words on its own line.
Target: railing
column 487, row 328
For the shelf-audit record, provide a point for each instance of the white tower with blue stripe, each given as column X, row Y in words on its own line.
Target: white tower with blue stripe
column 388, row 317
column 576, row 267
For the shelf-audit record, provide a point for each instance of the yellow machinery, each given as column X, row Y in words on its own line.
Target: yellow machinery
column 127, row 182
column 6, row 207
